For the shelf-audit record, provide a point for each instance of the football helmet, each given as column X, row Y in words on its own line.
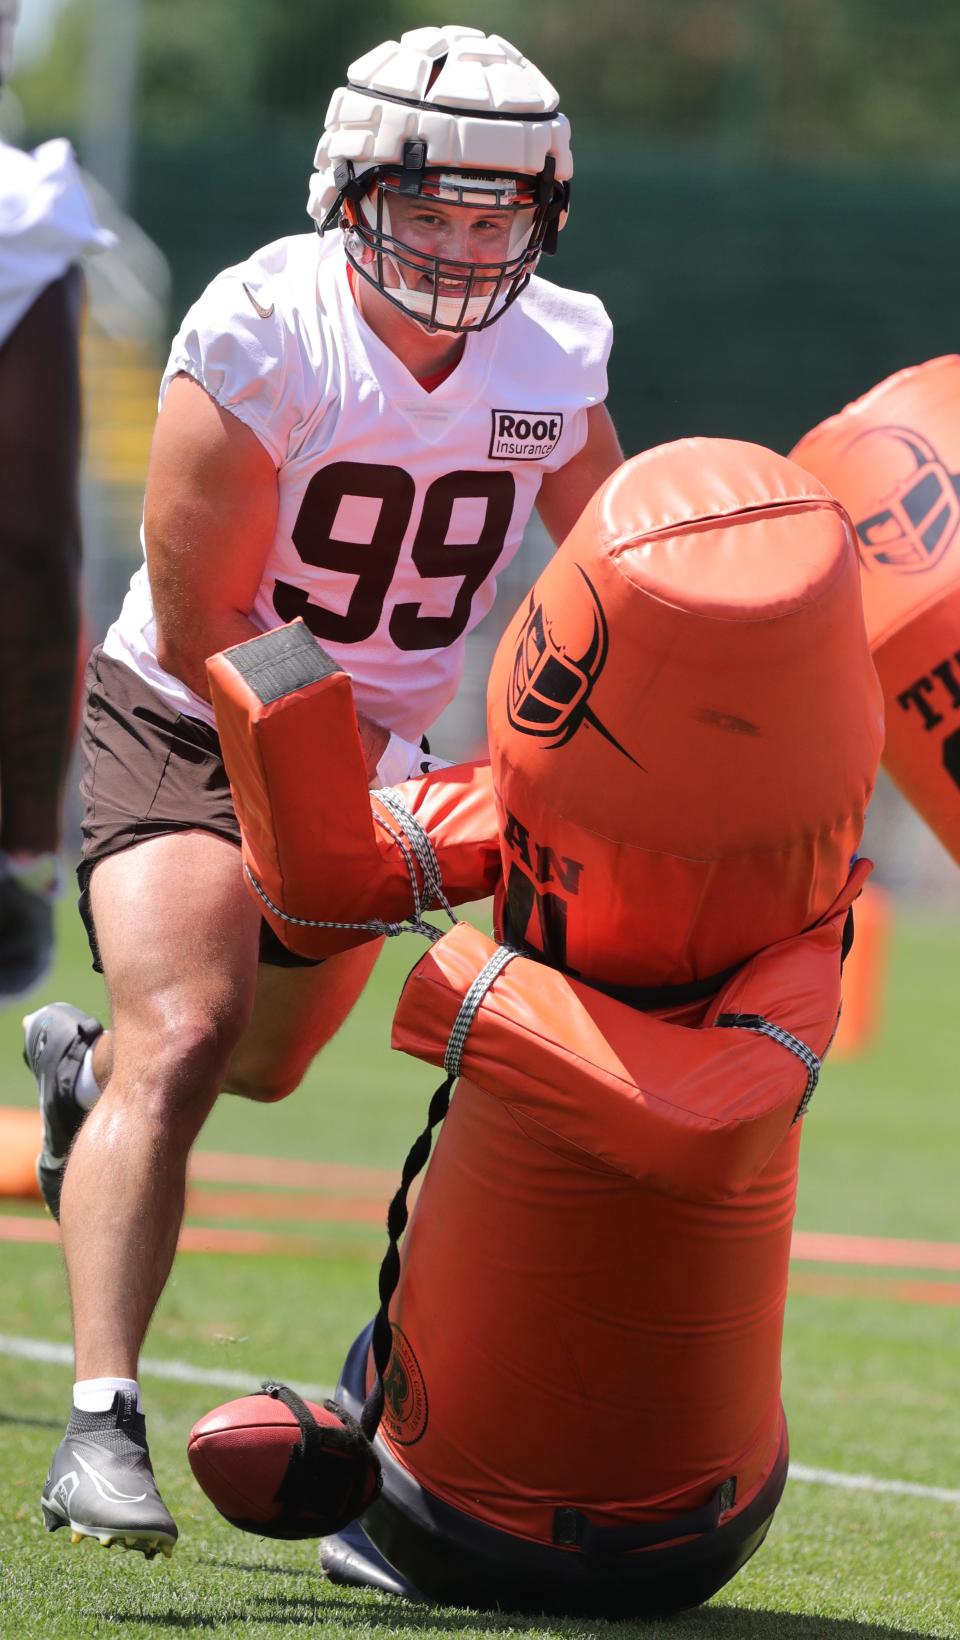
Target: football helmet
column 458, row 119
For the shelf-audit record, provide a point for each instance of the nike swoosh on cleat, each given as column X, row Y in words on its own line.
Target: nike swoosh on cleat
column 264, row 312
column 106, row 1488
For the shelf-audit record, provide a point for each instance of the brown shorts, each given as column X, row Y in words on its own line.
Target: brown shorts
column 146, row 771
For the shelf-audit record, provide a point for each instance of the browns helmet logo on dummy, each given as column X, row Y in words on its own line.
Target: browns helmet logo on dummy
column 548, row 693
column 908, row 527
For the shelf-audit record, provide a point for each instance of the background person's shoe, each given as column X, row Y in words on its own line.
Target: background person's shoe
column 55, row 1041
column 101, row 1483
column 26, row 930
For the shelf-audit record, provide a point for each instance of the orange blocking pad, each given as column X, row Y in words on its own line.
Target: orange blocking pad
column 289, row 736
column 273, row 756
column 695, row 1113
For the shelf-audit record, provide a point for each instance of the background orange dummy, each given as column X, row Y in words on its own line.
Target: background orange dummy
column 892, row 458
column 582, row 1405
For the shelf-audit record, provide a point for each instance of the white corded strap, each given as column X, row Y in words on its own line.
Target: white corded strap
column 423, row 852
column 786, row 1039
column 468, row 1008
column 416, row 849
column 374, row 926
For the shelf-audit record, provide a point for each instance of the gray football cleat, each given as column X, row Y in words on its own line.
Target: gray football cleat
column 101, row 1483
column 55, row 1040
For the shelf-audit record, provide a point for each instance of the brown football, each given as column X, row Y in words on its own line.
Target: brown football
column 267, row 1473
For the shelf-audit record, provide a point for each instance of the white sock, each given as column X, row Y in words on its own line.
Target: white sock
column 96, row 1394
column 86, row 1089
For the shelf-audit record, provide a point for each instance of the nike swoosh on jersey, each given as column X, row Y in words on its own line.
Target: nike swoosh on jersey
column 258, row 307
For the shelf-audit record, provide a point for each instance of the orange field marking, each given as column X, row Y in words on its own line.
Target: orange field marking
column 221, row 1167
column 195, row 1238
column 14, row 1228
column 901, row 1292
column 303, row 1192
column 820, row 1247
column 276, row 1204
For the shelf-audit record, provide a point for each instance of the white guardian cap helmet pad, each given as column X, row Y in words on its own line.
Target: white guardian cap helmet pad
column 461, row 117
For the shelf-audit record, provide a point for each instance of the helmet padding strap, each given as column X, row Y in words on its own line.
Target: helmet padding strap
column 414, row 165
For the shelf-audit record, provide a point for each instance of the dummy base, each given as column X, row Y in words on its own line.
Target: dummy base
column 351, row 1558
column 445, row 1556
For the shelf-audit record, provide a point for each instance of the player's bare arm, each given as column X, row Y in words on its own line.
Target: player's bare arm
column 210, row 514
column 565, row 493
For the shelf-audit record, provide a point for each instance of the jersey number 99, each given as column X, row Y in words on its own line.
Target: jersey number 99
column 372, row 565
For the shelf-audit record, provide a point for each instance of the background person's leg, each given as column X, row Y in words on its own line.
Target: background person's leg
column 39, row 617
column 39, row 565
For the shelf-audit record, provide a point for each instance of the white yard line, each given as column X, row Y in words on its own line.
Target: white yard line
column 184, row 1372
column 871, row 1483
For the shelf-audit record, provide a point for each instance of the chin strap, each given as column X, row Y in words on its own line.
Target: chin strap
column 553, row 198
column 350, row 187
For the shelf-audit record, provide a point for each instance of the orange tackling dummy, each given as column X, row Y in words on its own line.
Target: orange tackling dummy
column 581, row 1406
column 893, row 459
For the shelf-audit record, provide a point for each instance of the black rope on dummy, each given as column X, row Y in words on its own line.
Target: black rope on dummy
column 310, row 1505
column 397, row 1217
column 382, row 1336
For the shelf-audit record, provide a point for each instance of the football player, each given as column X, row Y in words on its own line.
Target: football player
column 354, row 429
column 46, row 226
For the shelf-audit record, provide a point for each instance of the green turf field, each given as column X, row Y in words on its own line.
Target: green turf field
column 871, row 1371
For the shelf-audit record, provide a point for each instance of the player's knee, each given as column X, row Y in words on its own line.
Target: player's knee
column 182, row 1060
column 266, row 1084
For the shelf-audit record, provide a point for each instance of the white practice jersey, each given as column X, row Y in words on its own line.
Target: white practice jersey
column 398, row 507
column 46, row 224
